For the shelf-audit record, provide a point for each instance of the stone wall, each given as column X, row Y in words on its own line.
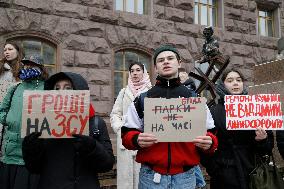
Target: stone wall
column 269, row 79
column 88, row 32
column 282, row 19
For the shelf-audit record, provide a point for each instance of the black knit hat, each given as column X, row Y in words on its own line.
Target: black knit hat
column 165, row 48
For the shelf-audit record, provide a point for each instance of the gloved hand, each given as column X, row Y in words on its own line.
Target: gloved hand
column 32, row 144
column 84, row 144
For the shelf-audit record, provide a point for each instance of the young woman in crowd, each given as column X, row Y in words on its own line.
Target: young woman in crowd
column 9, row 69
column 11, row 62
column 13, row 174
column 70, row 162
column 235, row 157
column 127, row 168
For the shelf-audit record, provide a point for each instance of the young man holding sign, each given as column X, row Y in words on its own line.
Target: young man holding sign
column 165, row 164
column 70, row 162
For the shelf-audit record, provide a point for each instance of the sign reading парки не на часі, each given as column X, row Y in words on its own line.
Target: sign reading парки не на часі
column 175, row 119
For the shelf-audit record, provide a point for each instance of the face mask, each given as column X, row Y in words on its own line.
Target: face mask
column 29, row 73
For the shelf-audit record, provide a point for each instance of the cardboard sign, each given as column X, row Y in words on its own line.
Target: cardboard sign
column 175, row 119
column 57, row 114
column 246, row 112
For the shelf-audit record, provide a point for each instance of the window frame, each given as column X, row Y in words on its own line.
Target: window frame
column 138, row 50
column 275, row 9
column 215, row 5
column 21, row 41
column 14, row 36
column 124, row 7
column 266, row 18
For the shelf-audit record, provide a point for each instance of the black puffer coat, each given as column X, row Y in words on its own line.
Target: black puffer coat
column 58, row 162
column 234, row 159
column 280, row 142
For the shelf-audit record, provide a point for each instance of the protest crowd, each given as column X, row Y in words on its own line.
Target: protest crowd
column 53, row 139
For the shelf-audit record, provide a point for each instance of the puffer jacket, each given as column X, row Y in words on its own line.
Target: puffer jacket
column 280, row 142
column 12, row 111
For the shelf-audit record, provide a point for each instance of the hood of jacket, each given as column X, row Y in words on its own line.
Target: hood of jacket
column 78, row 82
column 190, row 82
column 222, row 90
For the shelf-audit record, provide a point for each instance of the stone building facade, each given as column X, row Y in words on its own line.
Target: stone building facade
column 269, row 78
column 88, row 33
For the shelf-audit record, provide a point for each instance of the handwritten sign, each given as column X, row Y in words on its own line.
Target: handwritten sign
column 246, row 112
column 175, row 119
column 57, row 114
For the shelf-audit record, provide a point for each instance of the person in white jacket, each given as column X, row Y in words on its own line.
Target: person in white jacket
column 127, row 167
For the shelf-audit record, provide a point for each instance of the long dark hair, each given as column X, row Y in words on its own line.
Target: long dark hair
column 226, row 72
column 44, row 75
column 132, row 63
column 15, row 65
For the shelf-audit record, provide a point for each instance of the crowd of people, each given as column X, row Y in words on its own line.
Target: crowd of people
column 142, row 162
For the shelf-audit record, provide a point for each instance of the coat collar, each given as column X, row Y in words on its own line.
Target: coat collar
column 128, row 93
column 160, row 81
column 7, row 66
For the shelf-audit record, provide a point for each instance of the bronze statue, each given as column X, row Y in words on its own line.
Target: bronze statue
column 211, row 46
column 217, row 63
column 210, row 50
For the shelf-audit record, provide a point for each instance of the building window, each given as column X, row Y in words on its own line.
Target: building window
column 265, row 23
column 46, row 49
column 134, row 6
column 205, row 12
column 122, row 60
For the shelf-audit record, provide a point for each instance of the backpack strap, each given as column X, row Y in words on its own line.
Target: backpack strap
column 139, row 104
column 142, row 97
column 94, row 127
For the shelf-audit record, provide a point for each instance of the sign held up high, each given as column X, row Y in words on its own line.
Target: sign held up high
column 57, row 114
column 175, row 119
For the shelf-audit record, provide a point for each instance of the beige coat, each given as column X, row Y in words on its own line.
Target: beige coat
column 127, row 168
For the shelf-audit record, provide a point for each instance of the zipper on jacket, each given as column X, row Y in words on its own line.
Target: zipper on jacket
column 169, row 145
column 167, row 96
column 169, row 158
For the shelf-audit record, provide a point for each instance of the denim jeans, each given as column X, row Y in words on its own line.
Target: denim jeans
column 200, row 182
column 186, row 180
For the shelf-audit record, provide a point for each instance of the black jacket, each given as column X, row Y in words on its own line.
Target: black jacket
column 235, row 157
column 165, row 89
column 60, row 164
column 189, row 83
column 280, row 142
